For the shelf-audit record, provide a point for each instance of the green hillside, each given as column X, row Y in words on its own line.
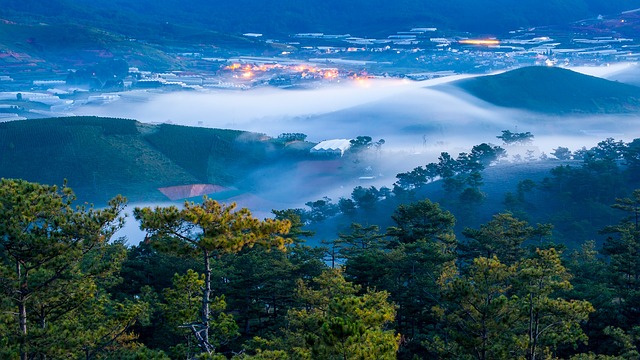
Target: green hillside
column 554, row 90
column 149, row 19
column 64, row 46
column 102, row 157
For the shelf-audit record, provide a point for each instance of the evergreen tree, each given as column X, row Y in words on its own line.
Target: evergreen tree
column 480, row 313
column 56, row 264
column 548, row 321
column 334, row 322
column 210, row 229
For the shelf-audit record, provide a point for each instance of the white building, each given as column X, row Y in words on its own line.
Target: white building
column 336, row 147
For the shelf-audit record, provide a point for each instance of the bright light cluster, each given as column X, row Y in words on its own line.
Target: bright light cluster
column 484, row 42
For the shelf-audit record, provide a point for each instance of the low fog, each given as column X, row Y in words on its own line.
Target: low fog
column 412, row 117
column 417, row 120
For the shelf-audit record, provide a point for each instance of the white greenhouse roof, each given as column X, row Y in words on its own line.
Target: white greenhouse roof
column 335, row 145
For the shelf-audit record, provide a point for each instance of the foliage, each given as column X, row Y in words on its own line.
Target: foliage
column 412, row 291
column 510, row 138
column 422, row 220
column 502, row 237
column 289, row 137
column 55, row 261
column 321, row 209
column 210, row 229
column 481, row 313
column 336, row 323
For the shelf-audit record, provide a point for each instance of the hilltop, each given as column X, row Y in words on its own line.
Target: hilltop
column 554, row 90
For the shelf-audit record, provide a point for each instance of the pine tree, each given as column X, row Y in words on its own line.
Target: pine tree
column 211, row 230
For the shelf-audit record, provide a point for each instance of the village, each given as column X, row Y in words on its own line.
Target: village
column 311, row 60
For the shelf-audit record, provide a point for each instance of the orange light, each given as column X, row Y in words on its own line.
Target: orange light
column 488, row 42
column 330, row 74
column 233, row 67
column 247, row 74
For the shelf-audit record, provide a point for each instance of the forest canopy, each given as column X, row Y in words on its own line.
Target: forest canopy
column 212, row 281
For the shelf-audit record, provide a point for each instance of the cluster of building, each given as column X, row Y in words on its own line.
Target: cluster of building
column 312, row 59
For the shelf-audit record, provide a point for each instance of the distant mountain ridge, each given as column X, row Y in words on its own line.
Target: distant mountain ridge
column 149, row 18
column 554, row 90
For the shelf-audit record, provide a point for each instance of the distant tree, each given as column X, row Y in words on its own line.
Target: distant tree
column 321, row 209
column 417, row 177
column 447, row 166
column 631, row 156
column 378, row 144
column 502, row 237
column 487, row 154
column 510, row 138
column 466, row 164
column 347, row 206
column 362, row 143
column 288, row 137
column 422, row 220
column 19, row 96
column 470, row 197
column 609, row 149
column 361, row 238
column 474, row 180
column 365, row 198
column 562, row 153
column 530, row 156
column 583, row 154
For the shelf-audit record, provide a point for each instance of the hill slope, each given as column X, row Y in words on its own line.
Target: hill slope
column 554, row 90
column 102, row 157
column 142, row 18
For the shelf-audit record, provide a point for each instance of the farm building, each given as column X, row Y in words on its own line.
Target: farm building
column 336, row 147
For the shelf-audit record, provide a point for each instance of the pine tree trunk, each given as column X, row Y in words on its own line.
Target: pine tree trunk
column 22, row 311
column 206, row 298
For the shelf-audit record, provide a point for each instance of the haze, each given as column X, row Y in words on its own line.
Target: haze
column 404, row 113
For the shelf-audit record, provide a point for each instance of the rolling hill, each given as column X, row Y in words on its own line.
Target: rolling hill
column 103, row 157
column 554, row 90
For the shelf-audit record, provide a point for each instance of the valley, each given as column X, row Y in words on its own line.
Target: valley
column 321, row 180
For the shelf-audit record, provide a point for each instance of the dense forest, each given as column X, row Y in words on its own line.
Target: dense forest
column 211, row 281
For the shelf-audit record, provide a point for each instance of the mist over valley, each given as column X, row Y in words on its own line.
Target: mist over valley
column 416, row 119
column 321, row 180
